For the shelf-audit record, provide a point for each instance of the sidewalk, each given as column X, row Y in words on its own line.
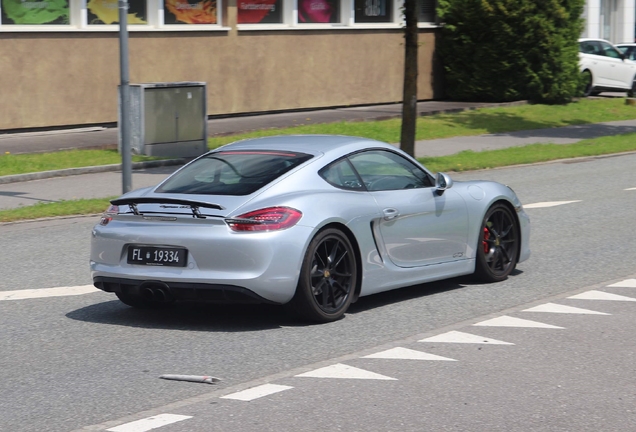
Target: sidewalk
column 100, row 182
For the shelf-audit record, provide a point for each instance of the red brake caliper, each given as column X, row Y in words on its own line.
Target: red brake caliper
column 486, row 237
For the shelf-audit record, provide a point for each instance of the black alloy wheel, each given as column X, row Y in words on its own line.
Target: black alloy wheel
column 498, row 246
column 328, row 278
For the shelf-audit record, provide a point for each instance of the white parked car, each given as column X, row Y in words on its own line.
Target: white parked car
column 628, row 50
column 605, row 68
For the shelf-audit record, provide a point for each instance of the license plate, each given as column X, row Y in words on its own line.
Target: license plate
column 157, row 256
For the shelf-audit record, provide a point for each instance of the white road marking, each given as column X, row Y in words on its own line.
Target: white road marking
column 628, row 283
column 634, row 188
column 406, row 354
column 557, row 308
column 460, row 337
column 508, row 321
column 343, row 371
column 548, row 204
column 257, row 392
column 47, row 292
column 149, row 423
column 600, row 295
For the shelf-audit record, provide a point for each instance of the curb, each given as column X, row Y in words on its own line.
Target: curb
column 88, row 170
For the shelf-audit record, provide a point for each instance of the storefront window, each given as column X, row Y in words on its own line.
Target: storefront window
column 107, row 12
column 426, row 10
column 260, row 11
column 34, row 12
column 190, row 12
column 373, row 11
column 318, row 11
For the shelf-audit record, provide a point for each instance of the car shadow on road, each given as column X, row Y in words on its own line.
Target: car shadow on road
column 242, row 317
column 416, row 291
column 187, row 317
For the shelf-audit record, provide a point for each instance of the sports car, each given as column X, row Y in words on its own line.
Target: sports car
column 312, row 222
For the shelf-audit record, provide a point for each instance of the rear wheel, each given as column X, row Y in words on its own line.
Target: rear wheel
column 498, row 246
column 587, row 84
column 328, row 278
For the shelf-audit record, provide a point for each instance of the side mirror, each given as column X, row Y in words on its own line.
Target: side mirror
column 443, row 182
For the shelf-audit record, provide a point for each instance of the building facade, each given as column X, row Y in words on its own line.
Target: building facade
column 59, row 59
column 612, row 20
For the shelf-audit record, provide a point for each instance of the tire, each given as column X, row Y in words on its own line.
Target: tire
column 587, row 84
column 328, row 278
column 631, row 92
column 498, row 245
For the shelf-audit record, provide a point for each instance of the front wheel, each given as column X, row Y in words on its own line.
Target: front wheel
column 328, row 278
column 498, row 245
column 631, row 92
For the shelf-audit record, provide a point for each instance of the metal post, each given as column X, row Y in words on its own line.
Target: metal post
column 124, row 126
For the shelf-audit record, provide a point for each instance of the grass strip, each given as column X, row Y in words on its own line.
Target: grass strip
column 11, row 164
column 469, row 160
column 55, row 209
column 466, row 123
column 463, row 161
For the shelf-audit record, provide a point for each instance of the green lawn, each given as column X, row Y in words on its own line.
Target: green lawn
column 476, row 122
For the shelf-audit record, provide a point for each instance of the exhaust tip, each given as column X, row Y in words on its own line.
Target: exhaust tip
column 156, row 291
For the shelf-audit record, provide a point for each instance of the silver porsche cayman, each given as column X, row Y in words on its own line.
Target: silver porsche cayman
column 311, row 222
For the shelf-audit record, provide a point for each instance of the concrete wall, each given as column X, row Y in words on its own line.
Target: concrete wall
column 59, row 79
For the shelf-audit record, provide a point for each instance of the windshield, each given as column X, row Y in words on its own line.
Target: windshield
column 232, row 172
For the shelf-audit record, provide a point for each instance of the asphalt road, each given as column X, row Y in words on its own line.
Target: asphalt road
column 74, row 361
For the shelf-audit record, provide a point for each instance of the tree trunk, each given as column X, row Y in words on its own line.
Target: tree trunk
column 409, row 97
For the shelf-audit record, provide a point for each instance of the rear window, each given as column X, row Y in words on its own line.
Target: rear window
column 232, row 172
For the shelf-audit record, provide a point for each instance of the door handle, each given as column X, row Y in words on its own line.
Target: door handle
column 390, row 213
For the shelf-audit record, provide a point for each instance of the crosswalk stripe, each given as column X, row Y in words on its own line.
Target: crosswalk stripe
column 557, row 308
column 508, row 321
column 343, row 371
column 627, row 283
column 548, row 204
column 149, row 423
column 257, row 392
column 47, row 292
column 600, row 295
column 406, row 354
column 461, row 337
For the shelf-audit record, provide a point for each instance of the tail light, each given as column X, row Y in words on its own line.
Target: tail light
column 267, row 219
column 108, row 214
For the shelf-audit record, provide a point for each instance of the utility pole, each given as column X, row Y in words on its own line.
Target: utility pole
column 124, row 88
column 409, row 96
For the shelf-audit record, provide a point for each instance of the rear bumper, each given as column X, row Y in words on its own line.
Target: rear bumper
column 182, row 291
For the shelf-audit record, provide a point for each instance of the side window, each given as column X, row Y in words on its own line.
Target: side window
column 341, row 174
column 610, row 51
column 384, row 170
column 590, row 47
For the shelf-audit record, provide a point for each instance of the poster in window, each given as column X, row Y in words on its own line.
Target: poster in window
column 34, row 12
column 190, row 11
column 318, row 11
column 426, row 10
column 107, row 12
column 373, row 11
column 260, row 11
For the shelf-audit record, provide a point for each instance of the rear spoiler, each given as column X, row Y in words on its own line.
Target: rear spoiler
column 192, row 205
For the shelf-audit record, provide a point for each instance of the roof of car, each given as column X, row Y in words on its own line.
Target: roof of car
column 312, row 144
